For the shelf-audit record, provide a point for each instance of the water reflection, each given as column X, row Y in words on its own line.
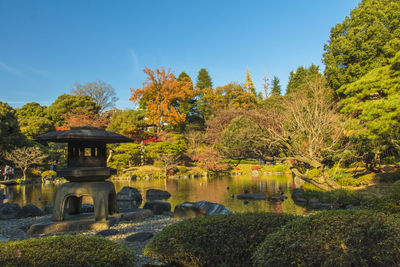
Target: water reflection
column 219, row 190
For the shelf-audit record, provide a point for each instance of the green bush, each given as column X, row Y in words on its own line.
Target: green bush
column 221, row 240
column 349, row 182
column 65, row 250
column 49, row 173
column 333, row 238
column 182, row 169
column 340, row 197
column 314, row 173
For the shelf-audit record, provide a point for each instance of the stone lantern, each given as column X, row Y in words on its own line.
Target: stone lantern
column 86, row 170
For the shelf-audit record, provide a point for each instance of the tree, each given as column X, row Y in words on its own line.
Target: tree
column 129, row 122
column 125, row 156
column 83, row 116
column 364, row 41
column 10, row 135
column 25, row 157
column 299, row 77
column 33, row 120
column 308, row 131
column 248, row 84
column 162, row 93
column 276, row 87
column 103, row 94
column 203, row 79
column 65, row 104
column 242, row 139
column 372, row 112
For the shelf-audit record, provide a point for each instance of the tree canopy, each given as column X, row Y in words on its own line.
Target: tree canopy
column 203, row 79
column 10, row 134
column 103, row 94
column 248, row 84
column 276, row 87
column 364, row 41
column 161, row 94
column 65, row 104
column 33, row 120
column 299, row 77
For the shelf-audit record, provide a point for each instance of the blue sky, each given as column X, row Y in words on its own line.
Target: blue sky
column 47, row 46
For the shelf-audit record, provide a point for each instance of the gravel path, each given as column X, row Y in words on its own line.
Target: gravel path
column 16, row 230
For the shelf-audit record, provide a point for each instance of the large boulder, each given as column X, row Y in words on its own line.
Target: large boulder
column 247, row 196
column 157, row 207
column 10, row 211
column 31, row 210
column 156, row 194
column 298, row 197
column 200, row 208
column 137, row 215
column 129, row 198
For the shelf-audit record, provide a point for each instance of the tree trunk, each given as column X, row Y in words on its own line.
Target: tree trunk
column 24, row 173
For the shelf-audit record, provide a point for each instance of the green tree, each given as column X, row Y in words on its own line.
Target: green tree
column 103, row 94
column 364, row 41
column 128, row 122
column 65, row 104
column 372, row 111
column 125, row 156
column 276, row 87
column 248, row 84
column 10, row 135
column 203, row 79
column 33, row 120
column 299, row 77
column 243, row 138
column 182, row 76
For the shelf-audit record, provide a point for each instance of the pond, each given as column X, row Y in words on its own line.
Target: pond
column 219, row 190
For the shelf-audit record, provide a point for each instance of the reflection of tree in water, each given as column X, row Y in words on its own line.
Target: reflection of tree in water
column 218, row 190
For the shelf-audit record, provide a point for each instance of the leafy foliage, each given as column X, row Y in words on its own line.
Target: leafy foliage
column 364, row 41
column 333, row 238
column 220, row 240
column 66, row 250
column 66, row 104
column 203, row 79
column 248, row 83
column 10, row 134
column 276, row 87
column 128, row 122
column 161, row 95
column 33, row 120
column 25, row 157
column 298, row 78
column 125, row 155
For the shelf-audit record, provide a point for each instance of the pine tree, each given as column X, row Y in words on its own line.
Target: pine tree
column 182, row 75
column 203, row 79
column 276, row 87
column 248, row 84
column 299, row 77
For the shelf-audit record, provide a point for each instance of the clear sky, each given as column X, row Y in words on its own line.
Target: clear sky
column 47, row 46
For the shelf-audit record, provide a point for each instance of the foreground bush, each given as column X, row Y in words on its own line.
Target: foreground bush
column 65, row 251
column 334, row 238
column 221, row 240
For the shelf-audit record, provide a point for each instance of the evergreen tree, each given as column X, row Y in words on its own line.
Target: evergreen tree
column 364, row 41
column 10, row 135
column 276, row 87
column 183, row 75
column 203, row 79
column 299, row 77
column 248, row 84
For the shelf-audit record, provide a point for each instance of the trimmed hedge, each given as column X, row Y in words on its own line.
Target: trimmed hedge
column 333, row 238
column 66, row 250
column 220, row 240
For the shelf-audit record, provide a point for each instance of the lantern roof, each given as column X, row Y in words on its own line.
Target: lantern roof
column 85, row 133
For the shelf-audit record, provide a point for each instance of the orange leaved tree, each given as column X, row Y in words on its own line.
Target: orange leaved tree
column 161, row 95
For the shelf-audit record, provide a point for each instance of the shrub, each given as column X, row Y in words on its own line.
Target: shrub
column 333, row 238
column 182, row 169
column 49, row 173
column 340, row 197
column 220, row 240
column 314, row 173
column 349, row 182
column 65, row 250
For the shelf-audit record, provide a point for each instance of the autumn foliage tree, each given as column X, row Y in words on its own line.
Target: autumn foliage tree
column 84, row 116
column 161, row 94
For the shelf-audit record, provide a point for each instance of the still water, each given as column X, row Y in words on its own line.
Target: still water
column 218, row 190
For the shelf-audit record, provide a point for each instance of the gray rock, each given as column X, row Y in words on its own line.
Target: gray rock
column 298, row 197
column 31, row 210
column 48, row 209
column 10, row 211
column 251, row 196
column 139, row 237
column 139, row 214
column 157, row 207
column 201, row 208
column 129, row 198
column 156, row 194
column 108, row 232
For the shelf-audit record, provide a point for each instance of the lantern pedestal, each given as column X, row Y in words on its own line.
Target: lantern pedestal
column 71, row 193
